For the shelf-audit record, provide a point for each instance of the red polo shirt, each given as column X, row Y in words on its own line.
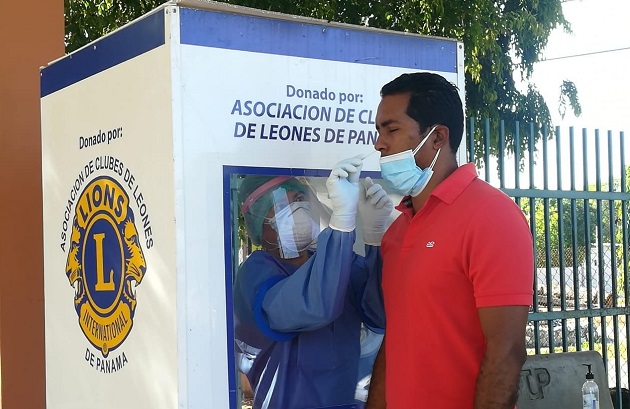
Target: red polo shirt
column 469, row 246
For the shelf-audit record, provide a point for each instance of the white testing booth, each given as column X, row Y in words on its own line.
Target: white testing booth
column 146, row 132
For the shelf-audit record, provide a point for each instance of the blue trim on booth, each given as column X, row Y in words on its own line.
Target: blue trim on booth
column 229, row 285
column 318, row 41
column 295, row 172
column 254, row 34
column 122, row 45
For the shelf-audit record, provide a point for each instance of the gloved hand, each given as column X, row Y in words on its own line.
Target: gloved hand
column 375, row 208
column 343, row 191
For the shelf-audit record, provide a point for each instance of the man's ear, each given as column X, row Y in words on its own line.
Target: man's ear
column 441, row 139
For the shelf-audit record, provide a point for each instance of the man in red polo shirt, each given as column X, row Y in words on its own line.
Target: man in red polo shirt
column 457, row 263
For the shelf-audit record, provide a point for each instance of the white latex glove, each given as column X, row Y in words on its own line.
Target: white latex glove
column 375, row 208
column 343, row 191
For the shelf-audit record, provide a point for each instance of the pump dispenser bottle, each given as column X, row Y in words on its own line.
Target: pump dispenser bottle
column 590, row 391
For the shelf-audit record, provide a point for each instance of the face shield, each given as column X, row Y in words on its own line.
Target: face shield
column 293, row 222
column 281, row 203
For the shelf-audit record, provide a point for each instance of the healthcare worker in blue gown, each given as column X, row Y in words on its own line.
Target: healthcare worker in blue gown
column 298, row 313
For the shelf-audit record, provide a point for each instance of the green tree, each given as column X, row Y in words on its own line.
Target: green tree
column 502, row 38
column 87, row 20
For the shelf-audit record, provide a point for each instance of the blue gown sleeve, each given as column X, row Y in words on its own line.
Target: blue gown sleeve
column 255, row 276
column 365, row 283
column 313, row 295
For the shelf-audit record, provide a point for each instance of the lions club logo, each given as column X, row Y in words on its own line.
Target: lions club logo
column 105, row 263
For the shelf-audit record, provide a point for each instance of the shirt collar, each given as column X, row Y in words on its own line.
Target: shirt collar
column 455, row 183
column 450, row 188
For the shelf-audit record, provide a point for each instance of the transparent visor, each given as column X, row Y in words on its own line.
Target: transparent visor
column 294, row 222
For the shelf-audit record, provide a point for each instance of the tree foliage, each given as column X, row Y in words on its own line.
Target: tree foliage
column 502, row 38
column 87, row 20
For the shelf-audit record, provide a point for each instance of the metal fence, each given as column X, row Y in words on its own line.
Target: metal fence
column 573, row 189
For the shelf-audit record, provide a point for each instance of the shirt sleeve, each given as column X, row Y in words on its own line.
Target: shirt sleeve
column 498, row 251
column 313, row 296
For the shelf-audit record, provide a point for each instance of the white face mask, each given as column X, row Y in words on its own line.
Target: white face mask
column 295, row 227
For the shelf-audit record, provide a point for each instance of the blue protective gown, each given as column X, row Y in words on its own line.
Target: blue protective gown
column 297, row 329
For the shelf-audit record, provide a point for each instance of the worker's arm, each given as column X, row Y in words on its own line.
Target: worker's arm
column 504, row 331
column 376, row 394
column 313, row 296
column 365, row 286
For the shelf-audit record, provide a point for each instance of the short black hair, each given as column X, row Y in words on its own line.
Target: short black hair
column 433, row 101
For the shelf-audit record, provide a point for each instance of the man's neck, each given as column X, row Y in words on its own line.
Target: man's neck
column 441, row 171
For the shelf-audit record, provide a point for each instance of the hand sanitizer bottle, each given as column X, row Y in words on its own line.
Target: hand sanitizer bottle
column 590, row 391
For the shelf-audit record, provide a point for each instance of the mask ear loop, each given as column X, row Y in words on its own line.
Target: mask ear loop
column 435, row 159
column 423, row 141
